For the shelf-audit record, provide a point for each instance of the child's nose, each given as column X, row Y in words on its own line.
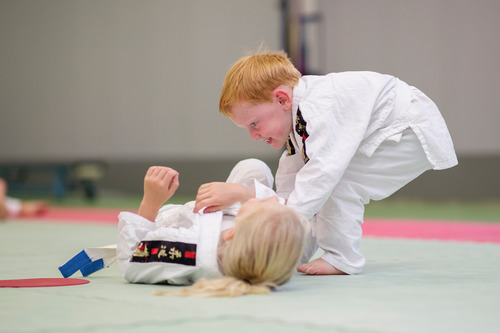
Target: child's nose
column 253, row 134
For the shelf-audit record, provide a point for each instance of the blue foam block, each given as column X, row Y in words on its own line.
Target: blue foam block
column 94, row 266
column 77, row 262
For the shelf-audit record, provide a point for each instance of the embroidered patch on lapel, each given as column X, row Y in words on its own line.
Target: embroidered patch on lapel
column 300, row 128
column 165, row 251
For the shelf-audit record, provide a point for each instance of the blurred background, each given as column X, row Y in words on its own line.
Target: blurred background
column 93, row 92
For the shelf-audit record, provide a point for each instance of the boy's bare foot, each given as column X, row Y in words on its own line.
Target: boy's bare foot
column 319, row 267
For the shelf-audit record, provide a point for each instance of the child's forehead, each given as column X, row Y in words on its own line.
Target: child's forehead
column 242, row 110
column 248, row 108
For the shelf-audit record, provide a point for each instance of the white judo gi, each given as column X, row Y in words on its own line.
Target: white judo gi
column 13, row 206
column 358, row 136
column 181, row 246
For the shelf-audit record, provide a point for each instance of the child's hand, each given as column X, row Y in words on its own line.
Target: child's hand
column 160, row 183
column 217, row 196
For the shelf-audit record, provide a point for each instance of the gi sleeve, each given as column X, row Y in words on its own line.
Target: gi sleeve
column 289, row 166
column 262, row 192
column 132, row 228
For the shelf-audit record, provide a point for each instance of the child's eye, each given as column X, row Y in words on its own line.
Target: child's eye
column 254, row 124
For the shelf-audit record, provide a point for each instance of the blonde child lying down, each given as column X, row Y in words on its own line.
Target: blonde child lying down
column 251, row 247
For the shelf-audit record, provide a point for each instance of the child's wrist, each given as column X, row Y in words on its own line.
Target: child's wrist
column 149, row 210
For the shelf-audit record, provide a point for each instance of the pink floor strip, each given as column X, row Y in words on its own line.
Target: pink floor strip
column 82, row 215
column 438, row 230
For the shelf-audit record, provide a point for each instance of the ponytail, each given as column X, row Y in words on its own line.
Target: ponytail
column 223, row 287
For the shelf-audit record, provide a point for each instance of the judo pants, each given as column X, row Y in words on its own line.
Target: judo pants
column 337, row 227
column 245, row 171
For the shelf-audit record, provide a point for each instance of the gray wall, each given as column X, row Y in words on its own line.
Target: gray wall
column 124, row 79
column 137, row 82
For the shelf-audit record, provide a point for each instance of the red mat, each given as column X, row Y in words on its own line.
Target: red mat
column 78, row 215
column 44, row 282
column 438, row 230
column 393, row 228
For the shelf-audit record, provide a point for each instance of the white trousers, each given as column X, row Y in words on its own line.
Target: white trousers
column 337, row 226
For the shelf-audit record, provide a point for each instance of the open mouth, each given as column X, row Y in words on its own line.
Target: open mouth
column 269, row 140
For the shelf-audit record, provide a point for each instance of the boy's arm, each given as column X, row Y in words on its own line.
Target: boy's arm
column 219, row 195
column 333, row 128
column 160, row 183
column 330, row 149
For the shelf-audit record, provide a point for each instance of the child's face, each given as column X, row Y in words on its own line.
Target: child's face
column 267, row 122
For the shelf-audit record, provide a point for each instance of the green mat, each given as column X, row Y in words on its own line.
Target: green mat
column 407, row 286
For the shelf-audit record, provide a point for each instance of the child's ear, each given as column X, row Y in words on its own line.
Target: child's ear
column 228, row 234
column 284, row 97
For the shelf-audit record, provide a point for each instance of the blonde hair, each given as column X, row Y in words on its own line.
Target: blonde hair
column 263, row 254
column 253, row 78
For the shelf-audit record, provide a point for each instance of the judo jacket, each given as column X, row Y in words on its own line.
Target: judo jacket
column 341, row 114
